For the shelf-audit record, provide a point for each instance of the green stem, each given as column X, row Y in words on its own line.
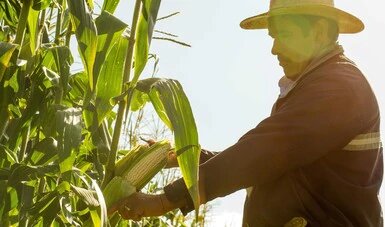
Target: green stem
column 68, row 35
column 58, row 23
column 23, row 148
column 21, row 26
column 23, row 18
column 122, row 104
column 41, row 188
column 4, row 116
column 41, row 26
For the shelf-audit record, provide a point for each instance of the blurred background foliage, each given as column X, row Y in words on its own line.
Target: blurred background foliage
column 62, row 131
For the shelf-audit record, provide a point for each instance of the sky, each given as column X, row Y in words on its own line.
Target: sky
column 230, row 75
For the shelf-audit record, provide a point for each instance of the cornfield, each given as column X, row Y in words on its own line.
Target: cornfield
column 60, row 129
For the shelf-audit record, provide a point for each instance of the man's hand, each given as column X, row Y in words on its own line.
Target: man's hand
column 172, row 160
column 140, row 205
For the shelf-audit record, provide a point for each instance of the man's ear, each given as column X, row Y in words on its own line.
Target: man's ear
column 321, row 29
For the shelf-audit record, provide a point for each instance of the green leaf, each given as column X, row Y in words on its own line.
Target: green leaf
column 3, row 194
column 86, row 35
column 44, row 151
column 90, row 4
column 11, row 12
column 13, row 83
column 46, row 207
column 26, row 201
column 173, row 107
column 88, row 196
column 102, row 203
column 53, row 79
column 69, row 128
column 8, row 155
column 42, row 203
column 67, row 209
column 9, row 199
column 143, row 35
column 109, row 62
column 58, row 59
column 139, row 99
column 110, row 5
column 110, row 31
column 14, row 111
column 111, row 78
column 4, row 174
column 40, row 4
column 95, row 218
column 22, row 172
column 79, row 85
column 33, row 19
column 6, row 50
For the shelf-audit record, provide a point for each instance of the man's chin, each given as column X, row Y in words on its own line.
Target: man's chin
column 291, row 75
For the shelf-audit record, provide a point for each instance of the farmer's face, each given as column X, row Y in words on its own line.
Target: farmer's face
column 293, row 48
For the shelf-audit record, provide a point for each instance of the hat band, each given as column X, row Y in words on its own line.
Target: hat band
column 275, row 4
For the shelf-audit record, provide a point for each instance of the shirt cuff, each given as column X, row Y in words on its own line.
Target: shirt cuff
column 177, row 192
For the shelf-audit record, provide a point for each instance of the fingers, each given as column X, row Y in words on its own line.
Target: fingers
column 116, row 206
column 128, row 213
column 150, row 142
column 139, row 205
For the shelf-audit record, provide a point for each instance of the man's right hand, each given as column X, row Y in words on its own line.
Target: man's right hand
column 140, row 205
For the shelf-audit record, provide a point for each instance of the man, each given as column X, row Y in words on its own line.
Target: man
column 318, row 158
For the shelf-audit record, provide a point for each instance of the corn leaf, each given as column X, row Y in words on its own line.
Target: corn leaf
column 110, row 30
column 22, row 172
column 138, row 100
column 143, row 35
column 86, row 35
column 10, row 200
column 110, row 59
column 66, row 209
column 6, row 50
column 110, row 5
column 111, row 77
column 33, row 17
column 44, row 151
column 174, row 109
column 40, row 4
column 69, row 127
column 59, row 59
column 47, row 207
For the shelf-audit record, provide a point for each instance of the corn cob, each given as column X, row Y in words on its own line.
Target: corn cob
column 117, row 189
column 135, row 170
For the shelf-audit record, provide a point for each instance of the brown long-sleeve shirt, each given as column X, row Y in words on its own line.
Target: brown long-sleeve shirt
column 318, row 156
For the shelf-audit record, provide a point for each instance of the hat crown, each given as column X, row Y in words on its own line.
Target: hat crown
column 274, row 4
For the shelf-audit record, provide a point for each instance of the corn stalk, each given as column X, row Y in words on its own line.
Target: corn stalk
column 123, row 103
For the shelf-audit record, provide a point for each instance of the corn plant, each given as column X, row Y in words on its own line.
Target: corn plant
column 59, row 131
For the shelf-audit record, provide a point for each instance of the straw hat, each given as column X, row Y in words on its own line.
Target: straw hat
column 347, row 23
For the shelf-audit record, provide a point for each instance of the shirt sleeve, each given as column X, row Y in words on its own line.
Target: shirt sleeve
column 206, row 155
column 177, row 190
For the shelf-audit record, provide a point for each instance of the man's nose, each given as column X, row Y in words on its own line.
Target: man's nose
column 274, row 48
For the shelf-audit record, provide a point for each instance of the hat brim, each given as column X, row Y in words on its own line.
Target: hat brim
column 346, row 22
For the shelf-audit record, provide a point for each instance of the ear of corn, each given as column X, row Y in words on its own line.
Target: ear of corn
column 117, row 189
column 135, row 170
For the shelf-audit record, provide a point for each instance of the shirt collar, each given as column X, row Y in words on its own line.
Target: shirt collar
column 286, row 85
